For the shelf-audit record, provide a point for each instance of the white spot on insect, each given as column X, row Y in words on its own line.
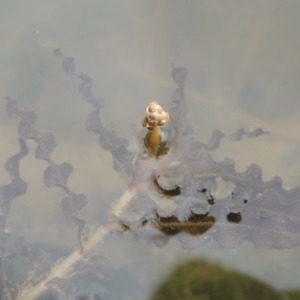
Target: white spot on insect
column 155, row 116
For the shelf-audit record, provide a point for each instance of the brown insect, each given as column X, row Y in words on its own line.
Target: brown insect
column 155, row 117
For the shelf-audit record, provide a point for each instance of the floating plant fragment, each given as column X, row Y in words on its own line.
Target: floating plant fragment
column 186, row 176
column 15, row 188
column 171, row 192
column 55, row 174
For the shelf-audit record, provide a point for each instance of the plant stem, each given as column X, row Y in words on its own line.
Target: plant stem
column 61, row 270
column 76, row 256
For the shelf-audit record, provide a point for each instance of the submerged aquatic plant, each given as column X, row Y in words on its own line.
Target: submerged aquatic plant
column 170, row 167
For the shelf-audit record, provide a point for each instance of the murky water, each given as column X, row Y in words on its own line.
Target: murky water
column 243, row 62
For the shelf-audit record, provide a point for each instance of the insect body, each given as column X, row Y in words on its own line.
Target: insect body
column 155, row 117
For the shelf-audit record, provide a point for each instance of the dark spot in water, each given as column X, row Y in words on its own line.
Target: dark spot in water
column 125, row 227
column 172, row 192
column 234, row 217
column 211, row 200
column 196, row 224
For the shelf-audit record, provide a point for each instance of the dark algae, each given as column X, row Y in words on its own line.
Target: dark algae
column 202, row 280
column 171, row 167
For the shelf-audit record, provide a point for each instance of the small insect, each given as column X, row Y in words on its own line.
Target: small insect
column 155, row 116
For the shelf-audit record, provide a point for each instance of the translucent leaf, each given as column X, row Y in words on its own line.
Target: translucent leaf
column 187, row 175
column 179, row 75
column 214, row 141
column 69, row 65
column 17, row 186
column 46, row 146
column 66, row 206
column 57, row 175
column 26, row 126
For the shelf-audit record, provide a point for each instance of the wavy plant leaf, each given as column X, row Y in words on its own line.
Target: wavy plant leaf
column 172, row 194
column 17, row 187
column 55, row 175
column 261, row 212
